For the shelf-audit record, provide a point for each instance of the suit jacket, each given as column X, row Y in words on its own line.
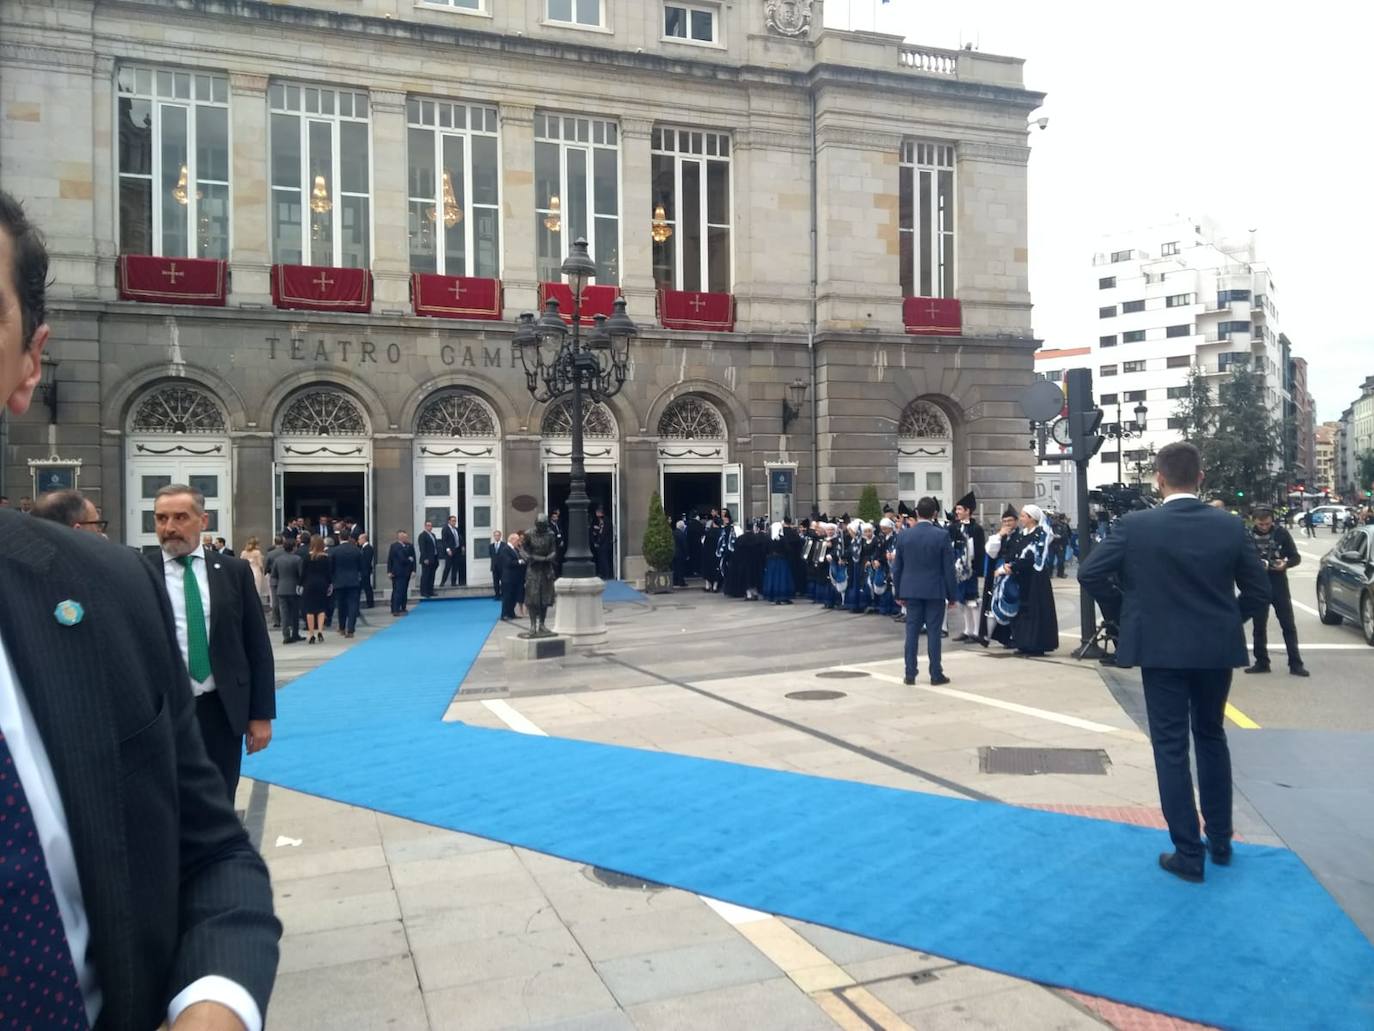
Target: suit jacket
column 493, row 551
column 348, row 565
column 429, row 551
column 400, row 560
column 269, row 563
column 923, row 566
column 240, row 647
column 288, row 570
column 1173, row 572
column 369, row 554
column 172, row 887
column 453, row 540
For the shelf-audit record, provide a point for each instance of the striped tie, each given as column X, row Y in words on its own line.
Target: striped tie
column 197, row 642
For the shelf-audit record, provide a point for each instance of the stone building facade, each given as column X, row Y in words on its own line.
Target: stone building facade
column 833, row 185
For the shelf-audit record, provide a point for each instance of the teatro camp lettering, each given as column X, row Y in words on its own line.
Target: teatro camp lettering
column 342, row 351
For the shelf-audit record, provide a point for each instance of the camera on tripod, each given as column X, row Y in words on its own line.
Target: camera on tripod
column 1116, row 499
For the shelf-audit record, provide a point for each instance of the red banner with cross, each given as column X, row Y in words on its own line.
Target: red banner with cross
column 693, row 309
column 455, row 297
column 144, row 277
column 596, row 300
column 932, row 316
column 321, row 288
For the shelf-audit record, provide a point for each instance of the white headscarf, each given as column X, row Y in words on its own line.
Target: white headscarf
column 1035, row 512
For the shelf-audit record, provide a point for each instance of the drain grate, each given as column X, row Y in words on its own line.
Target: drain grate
column 842, row 674
column 815, row 696
column 1042, row 760
column 611, row 879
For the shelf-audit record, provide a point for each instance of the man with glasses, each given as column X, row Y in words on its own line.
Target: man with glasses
column 70, row 508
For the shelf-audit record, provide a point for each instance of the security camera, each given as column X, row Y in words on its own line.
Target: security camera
column 1042, row 122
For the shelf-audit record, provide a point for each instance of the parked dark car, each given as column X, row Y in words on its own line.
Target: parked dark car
column 1345, row 582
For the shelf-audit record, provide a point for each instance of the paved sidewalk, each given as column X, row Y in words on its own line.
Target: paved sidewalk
column 392, row 924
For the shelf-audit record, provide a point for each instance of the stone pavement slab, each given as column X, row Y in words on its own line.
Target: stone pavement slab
column 770, row 1005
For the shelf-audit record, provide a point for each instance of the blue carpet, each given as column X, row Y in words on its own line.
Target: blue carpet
column 620, row 591
column 1052, row 898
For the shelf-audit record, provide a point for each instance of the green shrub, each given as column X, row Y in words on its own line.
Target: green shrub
column 658, row 538
column 870, row 508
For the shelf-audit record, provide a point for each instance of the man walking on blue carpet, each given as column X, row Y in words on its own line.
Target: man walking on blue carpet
column 400, row 566
column 923, row 578
column 1173, row 572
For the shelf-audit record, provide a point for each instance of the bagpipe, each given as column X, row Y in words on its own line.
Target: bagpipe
column 1006, row 599
column 839, row 572
column 878, row 581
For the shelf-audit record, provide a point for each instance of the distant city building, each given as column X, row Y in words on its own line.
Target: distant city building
column 1325, row 451
column 1170, row 297
column 1361, row 436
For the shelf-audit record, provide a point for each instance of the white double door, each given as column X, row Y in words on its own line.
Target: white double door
column 927, row 473
column 468, row 488
column 147, row 472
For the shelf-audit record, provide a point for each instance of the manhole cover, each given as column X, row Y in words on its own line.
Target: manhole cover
column 815, row 696
column 842, row 674
column 611, row 879
column 1042, row 760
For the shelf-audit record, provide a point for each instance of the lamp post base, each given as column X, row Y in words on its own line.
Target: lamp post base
column 577, row 611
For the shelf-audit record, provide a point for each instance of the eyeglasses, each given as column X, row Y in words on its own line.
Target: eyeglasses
column 99, row 524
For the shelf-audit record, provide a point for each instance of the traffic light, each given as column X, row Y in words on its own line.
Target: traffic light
column 1086, row 439
column 1240, row 494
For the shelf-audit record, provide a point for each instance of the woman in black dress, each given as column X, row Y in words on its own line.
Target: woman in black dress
column 1035, row 630
column 316, row 584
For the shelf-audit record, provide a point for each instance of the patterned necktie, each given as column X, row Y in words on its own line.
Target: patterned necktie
column 38, row 984
column 197, row 642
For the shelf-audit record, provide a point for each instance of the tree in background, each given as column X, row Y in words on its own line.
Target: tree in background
column 1241, row 455
column 870, row 508
column 658, row 538
column 1364, row 474
column 1196, row 408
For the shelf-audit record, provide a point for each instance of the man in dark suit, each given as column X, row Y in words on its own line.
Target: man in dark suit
column 325, row 528
column 400, row 564
column 1172, row 574
column 429, row 559
column 493, row 551
column 221, row 630
column 451, row 540
column 923, row 578
column 369, row 554
column 512, row 566
column 160, row 909
column 347, row 561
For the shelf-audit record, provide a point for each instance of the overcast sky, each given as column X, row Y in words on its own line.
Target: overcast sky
column 1256, row 114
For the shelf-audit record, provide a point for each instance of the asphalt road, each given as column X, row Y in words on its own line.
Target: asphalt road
column 1339, row 695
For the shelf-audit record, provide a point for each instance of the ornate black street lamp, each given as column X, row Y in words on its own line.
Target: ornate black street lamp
column 557, row 363
column 1120, row 432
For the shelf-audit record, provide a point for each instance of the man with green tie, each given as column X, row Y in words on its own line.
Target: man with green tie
column 221, row 631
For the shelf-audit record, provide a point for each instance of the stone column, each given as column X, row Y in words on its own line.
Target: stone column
column 992, row 276
column 104, row 163
column 250, row 255
column 639, row 479
column 517, row 207
column 393, row 502
column 636, row 211
column 252, row 465
column 521, row 476
column 390, row 207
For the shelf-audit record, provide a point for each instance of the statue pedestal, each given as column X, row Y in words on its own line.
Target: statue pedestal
column 577, row 611
column 527, row 649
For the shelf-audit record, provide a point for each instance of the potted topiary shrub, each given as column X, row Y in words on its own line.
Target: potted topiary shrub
column 870, row 508
column 658, row 549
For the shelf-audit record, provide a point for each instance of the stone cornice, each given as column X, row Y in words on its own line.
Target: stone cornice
column 246, row 82
column 36, row 55
column 994, row 153
column 857, row 138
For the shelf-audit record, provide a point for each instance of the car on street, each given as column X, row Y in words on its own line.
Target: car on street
column 1345, row 582
column 1321, row 515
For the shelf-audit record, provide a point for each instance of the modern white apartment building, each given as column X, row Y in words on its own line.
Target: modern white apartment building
column 1168, row 297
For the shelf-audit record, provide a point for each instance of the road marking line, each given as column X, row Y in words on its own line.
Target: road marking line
column 1307, row 608
column 1240, row 719
column 1334, row 647
column 512, row 718
column 1024, row 710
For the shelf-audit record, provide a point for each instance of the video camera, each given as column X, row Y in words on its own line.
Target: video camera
column 1117, row 499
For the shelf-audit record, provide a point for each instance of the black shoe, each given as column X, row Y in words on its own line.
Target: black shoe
column 1298, row 671
column 908, row 681
column 944, row 633
column 1175, row 864
column 1259, row 667
column 937, row 681
column 962, row 638
column 983, row 641
column 1221, row 854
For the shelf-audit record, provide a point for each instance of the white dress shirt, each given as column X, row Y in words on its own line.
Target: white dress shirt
column 45, row 804
column 174, row 574
column 1178, row 497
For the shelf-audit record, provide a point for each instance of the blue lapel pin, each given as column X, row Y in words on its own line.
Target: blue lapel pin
column 69, row 613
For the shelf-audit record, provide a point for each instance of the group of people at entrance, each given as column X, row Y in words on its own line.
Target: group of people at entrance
column 1001, row 590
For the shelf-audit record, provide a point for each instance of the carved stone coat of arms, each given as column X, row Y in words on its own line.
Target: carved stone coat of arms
column 788, row 17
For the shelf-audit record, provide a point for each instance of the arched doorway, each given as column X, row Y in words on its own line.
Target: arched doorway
column 177, row 433
column 323, row 458
column 458, row 472
column 601, row 446
column 693, row 448
column 925, row 455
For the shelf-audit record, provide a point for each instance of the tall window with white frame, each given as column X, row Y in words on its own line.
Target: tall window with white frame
column 321, row 176
column 691, row 22
column 574, row 12
column 173, row 129
column 576, row 192
column 691, row 197
column 455, row 205
column 927, row 219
